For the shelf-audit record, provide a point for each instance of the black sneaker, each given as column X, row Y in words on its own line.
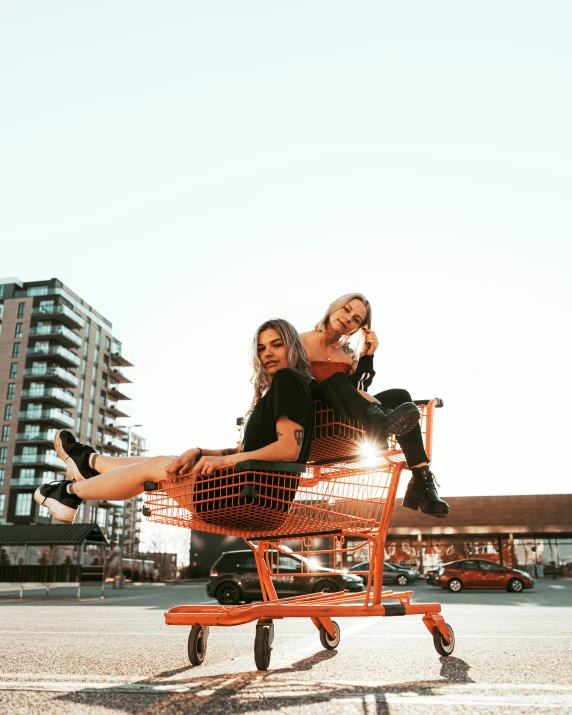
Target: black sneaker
column 75, row 455
column 56, row 498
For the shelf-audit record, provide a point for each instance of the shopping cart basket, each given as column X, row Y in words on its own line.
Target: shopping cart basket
column 340, row 502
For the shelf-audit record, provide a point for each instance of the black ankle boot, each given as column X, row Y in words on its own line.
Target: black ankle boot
column 382, row 421
column 422, row 494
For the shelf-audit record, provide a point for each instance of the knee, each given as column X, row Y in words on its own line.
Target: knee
column 404, row 395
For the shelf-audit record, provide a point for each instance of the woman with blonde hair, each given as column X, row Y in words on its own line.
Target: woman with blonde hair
column 343, row 377
column 279, row 429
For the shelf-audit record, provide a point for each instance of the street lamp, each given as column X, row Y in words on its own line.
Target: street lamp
column 130, row 428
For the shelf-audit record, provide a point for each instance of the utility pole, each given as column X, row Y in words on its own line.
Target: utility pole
column 130, row 428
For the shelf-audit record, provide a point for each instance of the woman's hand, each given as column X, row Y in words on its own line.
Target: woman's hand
column 184, row 463
column 371, row 343
column 207, row 465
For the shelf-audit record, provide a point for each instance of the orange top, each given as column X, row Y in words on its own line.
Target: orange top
column 322, row 369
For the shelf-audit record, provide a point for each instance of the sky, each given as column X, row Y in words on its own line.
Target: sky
column 192, row 169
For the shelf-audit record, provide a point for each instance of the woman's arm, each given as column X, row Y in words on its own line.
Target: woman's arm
column 289, row 440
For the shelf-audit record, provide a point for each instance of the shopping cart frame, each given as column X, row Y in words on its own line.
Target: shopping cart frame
column 320, row 607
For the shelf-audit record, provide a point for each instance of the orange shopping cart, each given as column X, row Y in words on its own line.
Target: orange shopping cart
column 337, row 505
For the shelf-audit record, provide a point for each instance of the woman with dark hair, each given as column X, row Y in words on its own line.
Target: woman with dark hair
column 279, row 429
column 343, row 377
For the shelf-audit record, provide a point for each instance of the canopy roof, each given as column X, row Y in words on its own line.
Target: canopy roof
column 48, row 534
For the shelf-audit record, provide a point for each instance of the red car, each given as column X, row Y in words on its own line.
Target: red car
column 479, row 573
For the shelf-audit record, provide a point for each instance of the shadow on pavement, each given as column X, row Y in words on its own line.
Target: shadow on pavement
column 262, row 692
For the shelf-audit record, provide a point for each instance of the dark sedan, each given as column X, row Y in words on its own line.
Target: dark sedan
column 392, row 574
column 234, row 578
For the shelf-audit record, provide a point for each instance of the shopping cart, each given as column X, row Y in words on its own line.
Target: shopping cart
column 336, row 506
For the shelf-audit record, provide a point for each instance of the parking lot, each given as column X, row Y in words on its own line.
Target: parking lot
column 513, row 654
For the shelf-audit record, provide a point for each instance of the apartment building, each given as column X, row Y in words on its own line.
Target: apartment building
column 60, row 367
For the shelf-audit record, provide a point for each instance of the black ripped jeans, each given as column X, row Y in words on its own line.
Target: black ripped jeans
column 338, row 391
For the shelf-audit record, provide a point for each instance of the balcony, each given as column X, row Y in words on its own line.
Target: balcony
column 50, row 394
column 115, row 411
column 114, row 394
column 118, row 376
column 61, row 313
column 55, row 352
column 115, row 445
column 54, row 374
column 115, row 429
column 55, row 416
column 40, row 460
column 118, row 359
column 57, row 332
column 37, row 437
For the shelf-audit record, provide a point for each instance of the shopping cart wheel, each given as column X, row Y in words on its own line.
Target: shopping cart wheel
column 441, row 646
column 198, row 644
column 263, row 644
column 326, row 639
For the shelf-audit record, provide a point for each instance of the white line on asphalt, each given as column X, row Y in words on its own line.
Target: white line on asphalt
column 347, row 633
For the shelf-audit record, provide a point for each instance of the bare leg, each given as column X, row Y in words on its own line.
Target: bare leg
column 103, row 463
column 124, row 482
column 368, row 397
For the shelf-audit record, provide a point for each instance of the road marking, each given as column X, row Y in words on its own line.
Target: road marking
column 346, row 633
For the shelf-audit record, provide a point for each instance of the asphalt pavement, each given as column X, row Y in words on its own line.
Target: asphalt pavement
column 513, row 654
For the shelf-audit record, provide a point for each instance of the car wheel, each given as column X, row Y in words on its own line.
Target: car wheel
column 327, row 587
column 515, row 585
column 402, row 580
column 455, row 585
column 228, row 594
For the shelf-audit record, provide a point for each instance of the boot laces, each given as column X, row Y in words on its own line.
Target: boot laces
column 429, row 479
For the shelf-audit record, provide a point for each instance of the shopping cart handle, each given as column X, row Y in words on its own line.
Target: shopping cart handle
column 440, row 402
column 150, row 486
column 262, row 465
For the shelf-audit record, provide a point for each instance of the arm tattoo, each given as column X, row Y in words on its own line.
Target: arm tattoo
column 299, row 435
column 229, row 450
column 279, row 434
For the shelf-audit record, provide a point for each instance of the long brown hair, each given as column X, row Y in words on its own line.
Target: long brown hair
column 295, row 352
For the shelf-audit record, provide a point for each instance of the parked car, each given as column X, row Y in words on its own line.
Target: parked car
column 234, row 578
column 392, row 574
column 479, row 573
column 431, row 575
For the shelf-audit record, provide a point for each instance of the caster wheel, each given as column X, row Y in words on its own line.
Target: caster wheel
column 263, row 645
column 198, row 644
column 441, row 646
column 326, row 640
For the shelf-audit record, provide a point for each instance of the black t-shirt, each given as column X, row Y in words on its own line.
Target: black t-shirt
column 288, row 396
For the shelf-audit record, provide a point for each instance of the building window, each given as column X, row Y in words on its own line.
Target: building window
column 13, row 370
column 43, row 511
column 89, row 431
column 1, row 310
column 8, row 413
column 101, row 518
column 16, row 350
column 98, row 337
column 94, row 374
column 21, row 310
column 3, row 455
column 23, row 505
column 1, row 291
column 27, row 476
column 107, row 344
column 95, row 355
column 18, row 331
column 2, row 472
column 2, row 503
column 11, row 391
column 5, row 433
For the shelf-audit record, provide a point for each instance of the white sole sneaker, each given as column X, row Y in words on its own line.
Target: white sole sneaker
column 57, row 510
column 72, row 471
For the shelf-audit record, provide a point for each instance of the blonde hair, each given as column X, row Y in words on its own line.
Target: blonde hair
column 339, row 303
column 295, row 352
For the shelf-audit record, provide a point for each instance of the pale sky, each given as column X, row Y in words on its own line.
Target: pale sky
column 192, row 169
